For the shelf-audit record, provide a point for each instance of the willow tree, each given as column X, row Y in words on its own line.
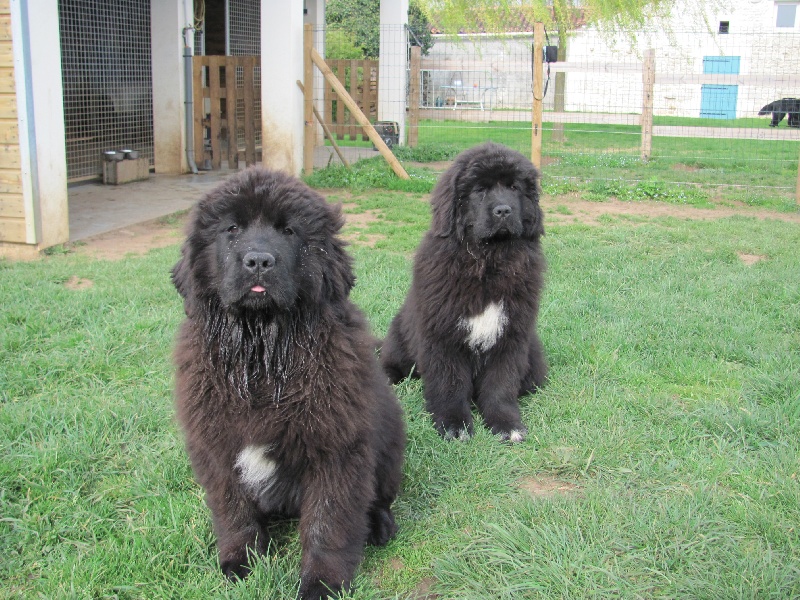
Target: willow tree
column 562, row 16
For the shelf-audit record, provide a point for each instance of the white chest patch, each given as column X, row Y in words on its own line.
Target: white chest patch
column 257, row 470
column 485, row 329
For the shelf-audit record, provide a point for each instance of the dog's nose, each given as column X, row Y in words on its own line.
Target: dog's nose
column 501, row 211
column 258, row 261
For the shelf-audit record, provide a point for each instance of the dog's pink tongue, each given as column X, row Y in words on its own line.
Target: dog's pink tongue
column 258, row 289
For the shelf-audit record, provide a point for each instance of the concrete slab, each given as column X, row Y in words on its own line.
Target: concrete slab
column 95, row 208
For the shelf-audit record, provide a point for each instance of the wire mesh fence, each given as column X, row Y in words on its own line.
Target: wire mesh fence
column 724, row 108
column 107, row 82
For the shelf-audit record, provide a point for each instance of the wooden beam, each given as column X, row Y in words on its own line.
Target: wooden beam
column 413, row 97
column 325, row 129
column 360, row 117
column 646, row 123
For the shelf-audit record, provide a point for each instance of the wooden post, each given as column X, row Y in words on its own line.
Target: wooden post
column 360, row 117
column 249, row 66
column 536, row 113
column 214, row 92
column 308, row 100
column 413, row 97
column 199, row 104
column 646, row 122
column 797, row 187
column 325, row 130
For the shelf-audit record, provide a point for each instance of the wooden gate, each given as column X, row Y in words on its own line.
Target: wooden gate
column 360, row 79
column 227, row 109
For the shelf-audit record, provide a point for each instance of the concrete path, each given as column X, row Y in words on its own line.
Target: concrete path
column 95, row 208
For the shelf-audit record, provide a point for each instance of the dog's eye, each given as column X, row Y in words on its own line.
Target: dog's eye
column 233, row 229
column 514, row 187
column 288, row 230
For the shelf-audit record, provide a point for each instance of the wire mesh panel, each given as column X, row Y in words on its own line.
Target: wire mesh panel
column 723, row 108
column 244, row 27
column 107, row 80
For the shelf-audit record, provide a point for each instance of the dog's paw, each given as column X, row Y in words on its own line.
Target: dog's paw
column 235, row 568
column 460, row 433
column 382, row 527
column 515, row 436
column 317, row 590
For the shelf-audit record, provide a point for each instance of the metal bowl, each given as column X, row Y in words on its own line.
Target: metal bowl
column 113, row 155
column 131, row 154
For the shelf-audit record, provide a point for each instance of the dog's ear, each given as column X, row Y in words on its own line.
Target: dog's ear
column 337, row 277
column 182, row 279
column 444, row 204
column 537, row 226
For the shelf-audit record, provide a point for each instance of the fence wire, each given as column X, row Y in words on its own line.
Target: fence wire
column 107, row 81
column 723, row 105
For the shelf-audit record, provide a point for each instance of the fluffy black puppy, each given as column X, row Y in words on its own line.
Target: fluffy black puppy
column 284, row 406
column 468, row 324
column 781, row 108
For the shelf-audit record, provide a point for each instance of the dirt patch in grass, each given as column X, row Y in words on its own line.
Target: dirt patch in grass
column 589, row 213
column 135, row 239
column 360, row 219
column 685, row 168
column 422, row 591
column 78, row 283
column 563, row 209
column 543, row 487
column 750, row 259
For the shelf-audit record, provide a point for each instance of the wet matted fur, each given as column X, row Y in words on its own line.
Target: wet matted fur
column 468, row 324
column 284, row 406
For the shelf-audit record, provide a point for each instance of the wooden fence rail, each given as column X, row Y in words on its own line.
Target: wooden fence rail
column 227, row 115
column 360, row 79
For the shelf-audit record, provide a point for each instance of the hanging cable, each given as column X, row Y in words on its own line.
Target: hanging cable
column 547, row 62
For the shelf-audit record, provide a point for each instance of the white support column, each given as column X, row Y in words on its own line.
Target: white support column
column 40, row 117
column 281, row 100
column 167, row 20
column 393, row 63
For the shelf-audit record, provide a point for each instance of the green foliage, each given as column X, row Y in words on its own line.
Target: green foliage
column 340, row 45
column 427, row 152
column 358, row 23
column 497, row 16
column 371, row 173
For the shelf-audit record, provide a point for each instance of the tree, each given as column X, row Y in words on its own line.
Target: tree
column 358, row 23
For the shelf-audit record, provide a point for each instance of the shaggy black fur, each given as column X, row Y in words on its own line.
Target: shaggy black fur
column 781, row 108
column 468, row 324
column 284, row 406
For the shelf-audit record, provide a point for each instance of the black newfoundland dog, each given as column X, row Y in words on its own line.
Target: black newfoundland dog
column 284, row 406
column 468, row 324
column 781, row 108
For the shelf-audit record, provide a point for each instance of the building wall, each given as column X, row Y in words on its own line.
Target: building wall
column 604, row 70
column 34, row 163
column 12, row 208
column 769, row 61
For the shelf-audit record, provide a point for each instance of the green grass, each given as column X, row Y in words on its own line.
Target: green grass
column 603, row 162
column 673, row 412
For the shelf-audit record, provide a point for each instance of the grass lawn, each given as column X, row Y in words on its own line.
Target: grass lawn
column 662, row 460
column 604, row 160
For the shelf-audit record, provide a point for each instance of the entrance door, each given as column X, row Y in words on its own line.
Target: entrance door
column 719, row 101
